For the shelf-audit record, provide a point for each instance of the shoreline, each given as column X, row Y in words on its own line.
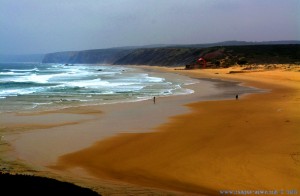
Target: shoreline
column 164, row 180
column 40, row 145
column 70, row 121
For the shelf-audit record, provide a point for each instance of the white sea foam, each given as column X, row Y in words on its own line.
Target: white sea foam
column 154, row 79
column 33, row 78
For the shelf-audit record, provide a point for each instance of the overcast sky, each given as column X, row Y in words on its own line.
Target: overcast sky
column 42, row 26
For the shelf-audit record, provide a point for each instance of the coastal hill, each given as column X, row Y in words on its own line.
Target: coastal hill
column 220, row 54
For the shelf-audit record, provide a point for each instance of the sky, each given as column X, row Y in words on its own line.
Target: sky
column 35, row 26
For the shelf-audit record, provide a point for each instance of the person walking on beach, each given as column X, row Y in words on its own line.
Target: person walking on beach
column 154, row 100
column 237, row 97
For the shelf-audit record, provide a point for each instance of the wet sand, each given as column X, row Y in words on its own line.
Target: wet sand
column 248, row 144
column 41, row 137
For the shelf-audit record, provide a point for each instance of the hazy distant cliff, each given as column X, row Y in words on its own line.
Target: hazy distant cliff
column 221, row 54
column 105, row 56
column 58, row 57
column 150, row 56
column 160, row 56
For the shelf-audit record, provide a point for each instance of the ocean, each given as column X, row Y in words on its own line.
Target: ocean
column 36, row 86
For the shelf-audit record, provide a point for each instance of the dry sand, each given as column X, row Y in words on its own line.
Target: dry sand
column 248, row 144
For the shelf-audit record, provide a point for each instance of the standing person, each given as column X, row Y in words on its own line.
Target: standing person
column 154, row 100
column 237, row 97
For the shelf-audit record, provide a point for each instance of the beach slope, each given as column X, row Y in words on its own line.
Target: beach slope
column 252, row 143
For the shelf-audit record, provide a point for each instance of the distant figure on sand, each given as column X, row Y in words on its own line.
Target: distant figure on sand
column 237, row 97
column 154, row 100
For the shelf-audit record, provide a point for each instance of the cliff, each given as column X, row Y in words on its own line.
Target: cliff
column 222, row 55
column 58, row 57
column 215, row 56
column 102, row 56
column 160, row 56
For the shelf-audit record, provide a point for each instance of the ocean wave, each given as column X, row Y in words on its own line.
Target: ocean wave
column 22, row 91
column 95, row 83
column 51, row 83
column 33, row 78
column 13, row 85
column 22, row 70
column 10, row 73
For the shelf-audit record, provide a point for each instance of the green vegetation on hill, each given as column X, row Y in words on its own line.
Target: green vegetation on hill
column 261, row 54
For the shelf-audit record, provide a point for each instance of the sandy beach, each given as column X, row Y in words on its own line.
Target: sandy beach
column 182, row 145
